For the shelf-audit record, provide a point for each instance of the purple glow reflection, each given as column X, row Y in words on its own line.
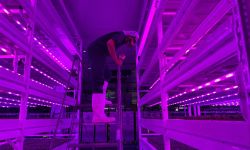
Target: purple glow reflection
column 217, row 80
column 6, row 11
column 4, row 50
column 204, row 85
column 154, row 83
column 217, row 98
column 36, row 69
column 42, row 101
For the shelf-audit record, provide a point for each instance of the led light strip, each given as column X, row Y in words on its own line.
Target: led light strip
column 11, row 93
column 231, row 103
column 42, row 84
column 10, row 70
column 154, row 83
column 5, row 106
column 30, row 79
column 197, row 88
column 42, row 100
column 15, row 104
column 203, row 95
column 37, row 99
column 16, row 100
column 44, row 74
column 200, row 96
column 43, row 47
column 46, row 50
column 186, row 52
column 33, row 103
column 204, row 85
column 3, row 49
column 212, row 99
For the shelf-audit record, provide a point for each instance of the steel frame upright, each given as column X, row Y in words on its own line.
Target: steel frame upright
column 138, row 101
column 241, row 30
column 25, row 94
column 119, row 94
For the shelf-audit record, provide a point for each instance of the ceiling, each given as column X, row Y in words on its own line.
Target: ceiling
column 94, row 18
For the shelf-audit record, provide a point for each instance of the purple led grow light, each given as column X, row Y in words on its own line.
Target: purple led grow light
column 18, row 104
column 6, row 11
column 32, row 98
column 31, row 79
column 3, row 49
column 50, row 54
column 36, row 69
column 10, row 70
column 44, row 48
column 228, row 103
column 203, row 95
column 197, row 97
column 212, row 99
column 154, row 83
column 41, row 84
column 224, row 77
column 45, row 101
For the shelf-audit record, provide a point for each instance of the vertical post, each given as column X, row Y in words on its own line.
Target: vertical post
column 119, row 95
column 108, row 128
column 25, row 94
column 185, row 110
column 79, row 95
column 164, row 95
column 241, row 32
column 24, row 97
column 198, row 110
column 138, row 100
column 24, row 101
column 164, row 103
column 189, row 110
column 195, row 111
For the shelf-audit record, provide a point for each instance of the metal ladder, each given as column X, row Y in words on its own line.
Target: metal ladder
column 119, row 136
column 75, row 64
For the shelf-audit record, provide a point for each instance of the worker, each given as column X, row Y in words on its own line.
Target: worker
column 98, row 51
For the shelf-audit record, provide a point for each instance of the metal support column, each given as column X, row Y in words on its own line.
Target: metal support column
column 189, row 110
column 164, row 103
column 198, row 110
column 195, row 110
column 119, row 96
column 241, row 15
column 138, row 106
column 25, row 95
column 79, row 95
column 185, row 111
column 24, row 102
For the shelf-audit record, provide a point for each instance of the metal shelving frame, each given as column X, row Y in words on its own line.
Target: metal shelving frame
column 200, row 134
column 23, row 85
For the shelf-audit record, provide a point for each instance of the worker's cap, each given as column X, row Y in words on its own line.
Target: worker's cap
column 132, row 33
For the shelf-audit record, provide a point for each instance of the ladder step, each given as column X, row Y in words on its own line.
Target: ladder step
column 89, row 106
column 100, row 123
column 91, row 145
